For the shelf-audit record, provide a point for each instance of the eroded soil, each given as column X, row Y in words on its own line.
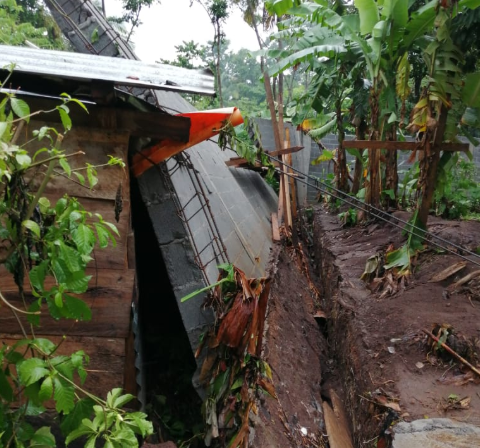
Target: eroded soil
column 294, row 348
column 381, row 361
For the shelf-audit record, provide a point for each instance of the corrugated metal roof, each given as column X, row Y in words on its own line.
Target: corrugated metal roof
column 120, row 71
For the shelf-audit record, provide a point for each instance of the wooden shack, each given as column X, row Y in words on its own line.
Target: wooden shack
column 115, row 124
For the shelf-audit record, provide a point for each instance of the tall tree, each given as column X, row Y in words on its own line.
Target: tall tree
column 190, row 54
column 241, row 75
column 217, row 11
column 131, row 14
column 256, row 15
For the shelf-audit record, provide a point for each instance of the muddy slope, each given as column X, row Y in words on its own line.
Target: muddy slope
column 294, row 347
column 382, row 360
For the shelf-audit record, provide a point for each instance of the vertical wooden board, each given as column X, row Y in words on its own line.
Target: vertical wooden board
column 110, row 257
column 97, row 145
column 131, row 250
column 293, row 189
column 288, row 204
column 107, row 360
column 284, row 158
column 110, row 297
column 281, row 201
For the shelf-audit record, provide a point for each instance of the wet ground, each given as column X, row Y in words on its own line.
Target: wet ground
column 294, row 348
column 381, row 360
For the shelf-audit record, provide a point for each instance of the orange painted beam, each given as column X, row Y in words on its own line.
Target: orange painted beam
column 204, row 125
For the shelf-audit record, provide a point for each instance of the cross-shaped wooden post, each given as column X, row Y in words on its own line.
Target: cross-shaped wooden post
column 412, row 146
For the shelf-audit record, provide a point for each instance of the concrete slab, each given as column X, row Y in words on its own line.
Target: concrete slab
column 436, row 433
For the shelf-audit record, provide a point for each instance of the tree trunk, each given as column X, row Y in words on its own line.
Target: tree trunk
column 219, row 75
column 342, row 171
column 358, row 171
column 391, row 173
column 268, row 93
column 429, row 177
column 290, row 87
column 280, row 106
column 374, row 185
column 273, row 112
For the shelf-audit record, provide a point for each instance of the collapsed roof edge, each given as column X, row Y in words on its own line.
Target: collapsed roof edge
column 122, row 72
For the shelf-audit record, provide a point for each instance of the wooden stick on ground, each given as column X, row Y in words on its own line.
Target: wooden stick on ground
column 463, row 280
column 453, row 353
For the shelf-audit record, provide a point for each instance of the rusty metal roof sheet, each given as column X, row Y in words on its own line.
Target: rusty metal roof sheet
column 122, row 72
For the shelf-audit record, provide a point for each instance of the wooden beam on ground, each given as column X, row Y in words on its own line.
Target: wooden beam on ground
column 402, row 146
column 336, row 424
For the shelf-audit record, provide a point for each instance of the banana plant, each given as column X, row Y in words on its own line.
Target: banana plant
column 378, row 35
column 311, row 115
column 381, row 34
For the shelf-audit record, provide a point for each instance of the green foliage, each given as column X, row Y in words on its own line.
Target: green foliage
column 382, row 62
column 400, row 259
column 349, row 217
column 226, row 282
column 457, row 195
column 189, row 55
column 240, row 140
column 46, row 247
column 458, row 191
column 131, row 15
column 22, row 20
column 117, row 428
column 240, row 76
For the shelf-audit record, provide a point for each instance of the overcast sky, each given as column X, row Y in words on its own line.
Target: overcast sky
column 173, row 21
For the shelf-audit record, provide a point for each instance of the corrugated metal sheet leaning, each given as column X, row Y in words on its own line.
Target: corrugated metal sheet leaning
column 122, row 72
column 240, row 201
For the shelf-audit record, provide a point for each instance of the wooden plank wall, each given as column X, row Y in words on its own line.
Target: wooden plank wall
column 107, row 338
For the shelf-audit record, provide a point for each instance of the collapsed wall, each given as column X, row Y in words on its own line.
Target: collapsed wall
column 203, row 212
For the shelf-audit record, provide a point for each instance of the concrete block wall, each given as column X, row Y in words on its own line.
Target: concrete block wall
column 300, row 159
column 241, row 204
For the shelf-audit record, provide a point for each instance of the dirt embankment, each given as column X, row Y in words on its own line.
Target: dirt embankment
column 382, row 361
column 294, row 348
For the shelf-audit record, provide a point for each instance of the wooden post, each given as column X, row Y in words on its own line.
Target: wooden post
column 374, row 185
column 281, row 200
column 288, row 204
column 293, row 190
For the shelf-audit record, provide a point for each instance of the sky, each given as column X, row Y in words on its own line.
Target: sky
column 173, row 21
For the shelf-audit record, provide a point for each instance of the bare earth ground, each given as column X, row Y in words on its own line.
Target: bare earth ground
column 294, row 347
column 383, row 365
column 367, row 349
